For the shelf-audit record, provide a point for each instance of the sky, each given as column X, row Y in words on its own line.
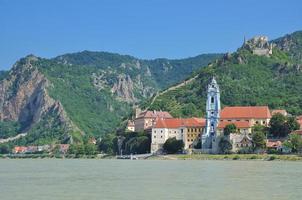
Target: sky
column 142, row 28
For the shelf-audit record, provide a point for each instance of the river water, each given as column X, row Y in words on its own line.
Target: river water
column 72, row 179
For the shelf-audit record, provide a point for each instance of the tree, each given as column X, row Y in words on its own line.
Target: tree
column 228, row 129
column 281, row 126
column 294, row 143
column 277, row 126
column 258, row 139
column 4, row 149
column 172, row 145
column 139, row 145
column 9, row 128
column 225, row 145
column 259, row 128
column 90, row 149
column 292, row 124
column 72, row 149
column 106, row 145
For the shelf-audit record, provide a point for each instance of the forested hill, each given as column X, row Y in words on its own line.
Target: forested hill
column 87, row 93
column 245, row 79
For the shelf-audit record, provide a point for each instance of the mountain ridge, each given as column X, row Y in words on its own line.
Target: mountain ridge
column 245, row 79
column 76, row 95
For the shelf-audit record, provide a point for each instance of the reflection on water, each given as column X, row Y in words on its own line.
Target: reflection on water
column 148, row 179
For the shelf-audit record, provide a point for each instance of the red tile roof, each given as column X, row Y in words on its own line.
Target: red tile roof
column 241, row 124
column 20, row 149
column 130, row 123
column 236, row 112
column 154, row 114
column 299, row 132
column 273, row 144
column 176, row 123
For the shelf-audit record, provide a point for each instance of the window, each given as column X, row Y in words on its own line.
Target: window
column 161, row 131
column 247, row 120
column 154, row 131
column 257, row 122
column 263, row 122
column 188, row 140
column 154, row 136
column 181, row 130
column 161, row 136
column 238, row 120
column 229, row 120
column 212, row 99
column 191, row 140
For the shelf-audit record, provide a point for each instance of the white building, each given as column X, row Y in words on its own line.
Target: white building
column 188, row 130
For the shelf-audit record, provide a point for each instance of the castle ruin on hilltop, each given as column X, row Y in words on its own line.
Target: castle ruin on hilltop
column 259, row 45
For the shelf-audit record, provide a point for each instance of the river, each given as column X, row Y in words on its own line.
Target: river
column 84, row 179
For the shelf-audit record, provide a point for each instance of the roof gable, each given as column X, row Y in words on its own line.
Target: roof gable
column 178, row 122
column 236, row 112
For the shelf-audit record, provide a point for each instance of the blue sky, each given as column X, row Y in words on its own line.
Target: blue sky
column 142, row 28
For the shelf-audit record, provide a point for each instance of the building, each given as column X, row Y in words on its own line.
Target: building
column 254, row 115
column 146, row 119
column 281, row 111
column 240, row 141
column 299, row 120
column 208, row 142
column 130, row 126
column 45, row 148
column 243, row 127
column 32, row 149
column 210, row 129
column 274, row 144
column 63, row 148
column 188, row 130
column 19, row 149
column 244, row 117
column 259, row 45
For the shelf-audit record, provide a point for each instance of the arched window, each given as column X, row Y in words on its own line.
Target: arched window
column 212, row 99
column 212, row 127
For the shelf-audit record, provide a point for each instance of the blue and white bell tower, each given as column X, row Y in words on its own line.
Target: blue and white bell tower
column 208, row 139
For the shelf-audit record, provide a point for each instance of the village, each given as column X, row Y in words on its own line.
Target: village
column 236, row 124
column 227, row 130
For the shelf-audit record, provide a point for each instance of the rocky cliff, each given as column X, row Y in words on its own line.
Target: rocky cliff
column 62, row 99
column 24, row 97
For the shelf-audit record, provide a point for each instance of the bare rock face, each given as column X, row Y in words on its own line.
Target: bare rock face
column 123, row 88
column 24, row 97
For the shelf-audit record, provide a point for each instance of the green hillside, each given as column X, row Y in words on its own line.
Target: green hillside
column 244, row 79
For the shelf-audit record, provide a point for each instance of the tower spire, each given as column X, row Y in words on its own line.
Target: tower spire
column 208, row 140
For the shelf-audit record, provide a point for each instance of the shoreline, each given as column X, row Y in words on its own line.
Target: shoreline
column 259, row 157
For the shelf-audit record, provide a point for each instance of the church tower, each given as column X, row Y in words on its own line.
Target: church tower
column 208, row 140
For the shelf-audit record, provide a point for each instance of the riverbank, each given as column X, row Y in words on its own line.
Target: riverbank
column 264, row 157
